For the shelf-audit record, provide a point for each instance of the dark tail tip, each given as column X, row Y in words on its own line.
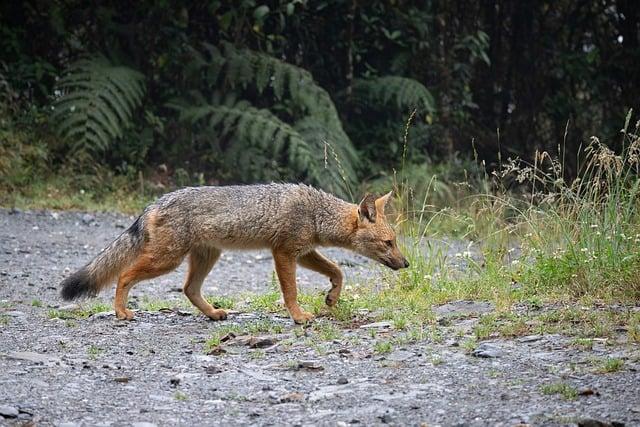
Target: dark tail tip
column 79, row 284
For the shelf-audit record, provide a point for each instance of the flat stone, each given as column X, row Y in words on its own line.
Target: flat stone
column 103, row 315
column 487, row 350
column 400, row 356
column 33, row 357
column 9, row 411
column 311, row 365
column 143, row 424
column 88, row 219
column 530, row 338
column 15, row 313
column 377, row 325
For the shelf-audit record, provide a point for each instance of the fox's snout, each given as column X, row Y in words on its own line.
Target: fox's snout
column 397, row 264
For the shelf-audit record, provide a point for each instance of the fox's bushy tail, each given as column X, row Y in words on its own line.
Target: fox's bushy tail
column 105, row 267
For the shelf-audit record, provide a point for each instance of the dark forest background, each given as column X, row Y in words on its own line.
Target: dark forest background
column 317, row 91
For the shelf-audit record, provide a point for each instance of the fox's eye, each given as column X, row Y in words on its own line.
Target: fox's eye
column 389, row 243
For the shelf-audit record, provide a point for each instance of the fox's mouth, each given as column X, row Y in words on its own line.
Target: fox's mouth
column 395, row 266
column 391, row 265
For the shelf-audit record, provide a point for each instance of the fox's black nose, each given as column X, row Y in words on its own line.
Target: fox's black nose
column 406, row 263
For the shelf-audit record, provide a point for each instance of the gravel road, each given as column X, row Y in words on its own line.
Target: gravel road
column 156, row 371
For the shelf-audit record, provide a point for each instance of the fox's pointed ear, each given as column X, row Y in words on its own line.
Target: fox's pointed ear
column 367, row 208
column 381, row 202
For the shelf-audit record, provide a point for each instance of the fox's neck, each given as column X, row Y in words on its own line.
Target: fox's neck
column 336, row 224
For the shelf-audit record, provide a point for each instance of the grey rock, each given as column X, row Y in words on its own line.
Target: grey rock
column 463, row 308
column 311, row 365
column 377, row 325
column 103, row 315
column 33, row 357
column 400, row 356
column 143, row 424
column 9, row 411
column 487, row 350
column 15, row 313
column 530, row 338
column 88, row 219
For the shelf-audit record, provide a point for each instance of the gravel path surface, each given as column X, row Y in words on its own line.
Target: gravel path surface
column 156, row 370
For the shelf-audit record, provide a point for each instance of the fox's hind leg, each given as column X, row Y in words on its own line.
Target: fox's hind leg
column 147, row 266
column 201, row 261
column 317, row 262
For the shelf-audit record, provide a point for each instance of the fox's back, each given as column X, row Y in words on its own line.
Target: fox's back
column 242, row 216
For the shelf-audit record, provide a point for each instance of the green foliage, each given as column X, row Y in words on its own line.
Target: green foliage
column 257, row 139
column 403, row 93
column 316, row 148
column 96, row 104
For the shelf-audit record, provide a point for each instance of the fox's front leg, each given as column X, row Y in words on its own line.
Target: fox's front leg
column 286, row 270
column 315, row 261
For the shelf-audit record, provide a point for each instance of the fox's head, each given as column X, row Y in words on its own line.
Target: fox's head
column 374, row 237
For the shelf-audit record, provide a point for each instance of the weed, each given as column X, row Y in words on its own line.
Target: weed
column 565, row 390
column 469, row 344
column 383, row 347
column 180, row 396
column 93, row 352
column 216, row 339
column 269, row 302
column 582, row 343
column 36, row 303
column 611, row 365
column 81, row 312
column 436, row 360
column 327, row 331
column 225, row 302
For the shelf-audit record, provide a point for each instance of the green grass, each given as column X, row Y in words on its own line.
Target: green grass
column 82, row 312
column 93, row 352
column 154, row 304
column 383, row 347
column 62, row 192
column 565, row 390
column 180, row 396
column 610, row 365
column 225, row 302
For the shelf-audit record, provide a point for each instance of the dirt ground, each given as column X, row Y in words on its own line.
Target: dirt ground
column 156, row 370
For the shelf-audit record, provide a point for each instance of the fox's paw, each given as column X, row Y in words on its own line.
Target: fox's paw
column 332, row 299
column 125, row 314
column 217, row 314
column 302, row 317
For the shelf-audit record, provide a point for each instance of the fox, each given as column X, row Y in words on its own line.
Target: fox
column 290, row 220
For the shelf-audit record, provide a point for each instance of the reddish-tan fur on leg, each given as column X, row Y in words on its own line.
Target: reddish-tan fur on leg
column 286, row 270
column 147, row 266
column 201, row 261
column 315, row 261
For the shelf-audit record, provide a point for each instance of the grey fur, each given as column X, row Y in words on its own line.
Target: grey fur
column 297, row 217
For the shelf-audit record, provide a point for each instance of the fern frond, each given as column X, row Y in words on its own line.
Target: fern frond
column 313, row 107
column 97, row 103
column 255, row 131
column 402, row 92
